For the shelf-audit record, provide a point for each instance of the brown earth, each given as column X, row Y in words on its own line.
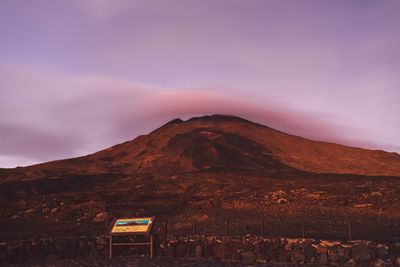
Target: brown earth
column 210, row 167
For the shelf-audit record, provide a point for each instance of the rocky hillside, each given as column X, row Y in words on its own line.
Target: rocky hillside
column 219, row 143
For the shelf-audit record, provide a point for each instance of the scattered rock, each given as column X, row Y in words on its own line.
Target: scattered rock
column 282, row 201
column 102, row 241
column 350, row 262
column 54, row 210
column 30, row 211
column 398, row 261
column 101, row 217
column 52, row 258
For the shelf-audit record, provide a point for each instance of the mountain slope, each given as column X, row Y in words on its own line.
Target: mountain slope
column 224, row 144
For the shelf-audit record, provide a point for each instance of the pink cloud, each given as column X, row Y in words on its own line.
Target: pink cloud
column 322, row 127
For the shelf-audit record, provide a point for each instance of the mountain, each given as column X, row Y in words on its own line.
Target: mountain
column 219, row 143
column 208, row 167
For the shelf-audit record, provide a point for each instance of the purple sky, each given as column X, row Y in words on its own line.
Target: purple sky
column 77, row 76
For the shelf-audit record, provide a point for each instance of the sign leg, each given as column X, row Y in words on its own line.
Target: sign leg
column 110, row 247
column 151, row 246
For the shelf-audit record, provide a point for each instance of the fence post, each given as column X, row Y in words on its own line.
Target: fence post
column 194, row 226
column 226, row 228
column 349, row 228
column 302, row 229
column 262, row 227
column 379, row 214
column 388, row 215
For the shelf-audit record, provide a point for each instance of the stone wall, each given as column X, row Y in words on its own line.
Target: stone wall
column 237, row 248
column 281, row 250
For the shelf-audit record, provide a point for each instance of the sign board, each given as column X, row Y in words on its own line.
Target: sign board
column 133, row 225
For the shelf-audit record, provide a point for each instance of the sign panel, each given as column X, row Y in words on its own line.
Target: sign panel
column 133, row 225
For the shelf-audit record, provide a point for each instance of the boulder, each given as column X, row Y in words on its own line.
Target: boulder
column 70, row 252
column 338, row 253
column 248, row 246
column 381, row 252
column 304, row 244
column 379, row 263
column 236, row 256
column 362, row 253
column 198, row 251
column 169, row 252
column 94, row 253
column 321, row 249
column 235, row 245
column 208, row 251
column 269, row 254
column 283, row 255
column 312, row 260
column 297, row 255
column 310, row 252
column 259, row 247
column 323, row 259
column 180, row 250
column 274, row 243
column 221, row 251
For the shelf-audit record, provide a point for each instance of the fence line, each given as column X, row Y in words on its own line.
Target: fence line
column 301, row 228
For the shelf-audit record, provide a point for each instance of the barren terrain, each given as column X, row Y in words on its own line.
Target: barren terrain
column 213, row 168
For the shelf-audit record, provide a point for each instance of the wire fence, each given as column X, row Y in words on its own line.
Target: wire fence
column 318, row 229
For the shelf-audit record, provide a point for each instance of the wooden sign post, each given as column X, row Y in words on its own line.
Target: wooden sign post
column 132, row 226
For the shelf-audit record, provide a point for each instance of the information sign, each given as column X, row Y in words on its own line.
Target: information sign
column 134, row 225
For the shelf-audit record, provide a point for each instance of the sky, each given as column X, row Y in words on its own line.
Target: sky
column 78, row 76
